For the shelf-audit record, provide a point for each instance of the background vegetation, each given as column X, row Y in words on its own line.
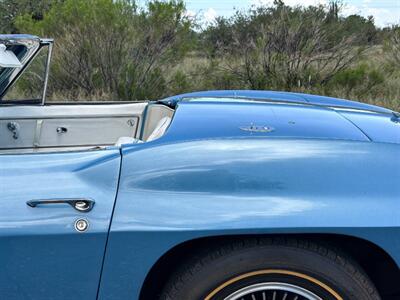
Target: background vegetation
column 116, row 50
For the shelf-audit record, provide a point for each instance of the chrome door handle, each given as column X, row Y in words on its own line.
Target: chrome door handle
column 82, row 205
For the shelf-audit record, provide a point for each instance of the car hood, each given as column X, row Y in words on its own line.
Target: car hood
column 378, row 127
column 214, row 120
column 275, row 96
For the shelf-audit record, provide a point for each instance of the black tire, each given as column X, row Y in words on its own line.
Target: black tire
column 219, row 272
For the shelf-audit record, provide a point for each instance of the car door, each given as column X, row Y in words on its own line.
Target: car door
column 55, row 213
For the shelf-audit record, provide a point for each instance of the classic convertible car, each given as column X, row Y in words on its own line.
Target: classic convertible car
column 203, row 196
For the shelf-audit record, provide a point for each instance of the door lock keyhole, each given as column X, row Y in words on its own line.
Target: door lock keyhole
column 14, row 128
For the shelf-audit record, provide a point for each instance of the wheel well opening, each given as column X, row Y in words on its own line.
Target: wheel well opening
column 379, row 266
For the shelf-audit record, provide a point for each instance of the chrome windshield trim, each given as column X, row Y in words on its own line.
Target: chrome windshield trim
column 47, row 71
column 227, row 99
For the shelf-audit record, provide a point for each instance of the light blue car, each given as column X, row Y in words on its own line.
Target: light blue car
column 231, row 195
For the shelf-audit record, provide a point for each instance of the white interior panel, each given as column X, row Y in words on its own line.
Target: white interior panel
column 66, row 111
column 65, row 126
column 69, row 125
column 23, row 139
column 154, row 114
column 86, row 131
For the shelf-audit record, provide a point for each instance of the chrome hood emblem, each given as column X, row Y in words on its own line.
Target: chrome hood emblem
column 257, row 128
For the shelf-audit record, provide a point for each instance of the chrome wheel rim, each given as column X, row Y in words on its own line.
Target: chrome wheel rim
column 274, row 291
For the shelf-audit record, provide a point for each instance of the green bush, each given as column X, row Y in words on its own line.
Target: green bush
column 112, row 48
column 118, row 50
column 359, row 80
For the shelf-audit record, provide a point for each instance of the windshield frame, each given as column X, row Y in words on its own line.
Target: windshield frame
column 17, row 72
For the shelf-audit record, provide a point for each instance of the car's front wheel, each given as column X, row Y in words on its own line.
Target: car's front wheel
column 270, row 269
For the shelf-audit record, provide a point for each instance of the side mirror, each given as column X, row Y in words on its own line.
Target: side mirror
column 8, row 59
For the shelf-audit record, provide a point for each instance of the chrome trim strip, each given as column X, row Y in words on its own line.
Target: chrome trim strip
column 47, row 72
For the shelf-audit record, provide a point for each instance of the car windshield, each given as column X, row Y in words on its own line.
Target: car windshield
column 20, row 52
column 28, row 88
column 17, row 51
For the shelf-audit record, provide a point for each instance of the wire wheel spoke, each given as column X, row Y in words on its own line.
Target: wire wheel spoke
column 273, row 291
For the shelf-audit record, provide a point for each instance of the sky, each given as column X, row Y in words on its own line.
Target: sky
column 385, row 12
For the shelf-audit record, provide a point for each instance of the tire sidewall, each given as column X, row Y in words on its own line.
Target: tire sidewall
column 322, row 268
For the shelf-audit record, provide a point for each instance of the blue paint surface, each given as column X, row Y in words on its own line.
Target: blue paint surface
column 172, row 192
column 279, row 96
column 42, row 256
column 378, row 127
column 323, row 166
column 316, row 172
column 211, row 120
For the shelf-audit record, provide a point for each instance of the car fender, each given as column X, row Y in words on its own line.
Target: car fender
column 173, row 192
